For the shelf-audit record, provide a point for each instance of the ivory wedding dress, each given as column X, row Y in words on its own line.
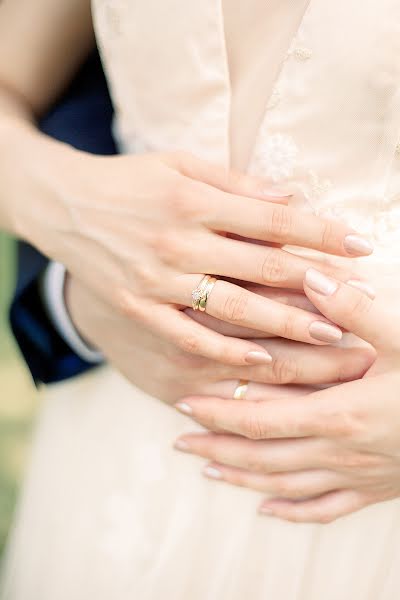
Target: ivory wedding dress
column 304, row 93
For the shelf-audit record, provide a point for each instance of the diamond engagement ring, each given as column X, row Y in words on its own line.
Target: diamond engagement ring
column 202, row 292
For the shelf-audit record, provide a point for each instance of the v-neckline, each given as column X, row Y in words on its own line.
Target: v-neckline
column 275, row 83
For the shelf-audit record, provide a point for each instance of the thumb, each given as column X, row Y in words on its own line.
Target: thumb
column 352, row 306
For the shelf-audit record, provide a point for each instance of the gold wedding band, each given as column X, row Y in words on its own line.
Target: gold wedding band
column 201, row 294
column 241, row 390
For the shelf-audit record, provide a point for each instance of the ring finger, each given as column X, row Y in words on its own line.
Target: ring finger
column 238, row 306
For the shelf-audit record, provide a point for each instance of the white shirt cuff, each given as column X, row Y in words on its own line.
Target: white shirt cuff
column 53, row 284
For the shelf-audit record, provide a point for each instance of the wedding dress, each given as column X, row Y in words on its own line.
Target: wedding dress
column 109, row 509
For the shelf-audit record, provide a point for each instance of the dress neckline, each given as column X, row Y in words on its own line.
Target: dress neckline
column 269, row 100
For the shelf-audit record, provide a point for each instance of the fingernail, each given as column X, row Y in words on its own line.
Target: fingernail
column 182, row 446
column 364, row 287
column 357, row 245
column 266, row 510
column 320, row 283
column 324, row 332
column 259, row 358
column 212, row 472
column 184, row 408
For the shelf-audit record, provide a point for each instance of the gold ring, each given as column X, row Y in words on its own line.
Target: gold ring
column 198, row 291
column 241, row 390
column 201, row 294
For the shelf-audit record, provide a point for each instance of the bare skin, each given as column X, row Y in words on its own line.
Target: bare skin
column 140, row 231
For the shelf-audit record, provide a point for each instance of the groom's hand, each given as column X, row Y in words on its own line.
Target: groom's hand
column 163, row 370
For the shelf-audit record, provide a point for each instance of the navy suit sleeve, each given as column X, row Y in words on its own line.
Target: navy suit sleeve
column 83, row 119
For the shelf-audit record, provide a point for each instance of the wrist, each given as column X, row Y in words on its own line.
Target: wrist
column 81, row 309
column 32, row 166
column 53, row 291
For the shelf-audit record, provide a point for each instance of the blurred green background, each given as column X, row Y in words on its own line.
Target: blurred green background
column 18, row 399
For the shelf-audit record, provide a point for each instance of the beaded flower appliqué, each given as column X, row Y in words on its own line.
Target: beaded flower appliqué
column 278, row 156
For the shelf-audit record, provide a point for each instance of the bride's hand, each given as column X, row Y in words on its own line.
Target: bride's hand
column 327, row 454
column 164, row 371
column 140, row 231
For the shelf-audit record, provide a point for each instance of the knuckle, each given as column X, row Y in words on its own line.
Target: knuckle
column 253, row 427
column 285, row 371
column 190, row 344
column 146, row 277
column 288, row 326
column 235, row 307
column 274, row 268
column 360, row 306
column 350, row 461
column 283, row 487
column 327, row 235
column 125, row 303
column 189, row 204
column 341, row 422
column 167, row 247
column 224, row 353
column 256, row 463
column 345, row 371
column 280, row 221
column 342, row 460
column 179, row 198
column 237, row 477
column 183, row 361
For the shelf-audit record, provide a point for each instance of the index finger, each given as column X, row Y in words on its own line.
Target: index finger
column 354, row 308
column 271, row 222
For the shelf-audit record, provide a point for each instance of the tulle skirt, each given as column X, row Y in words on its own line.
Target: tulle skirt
column 110, row 511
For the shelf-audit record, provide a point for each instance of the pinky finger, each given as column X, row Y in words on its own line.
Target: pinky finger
column 323, row 509
column 193, row 338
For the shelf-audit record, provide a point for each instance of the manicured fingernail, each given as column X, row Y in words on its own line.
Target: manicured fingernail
column 364, row 287
column 320, row 283
column 184, row 408
column 212, row 472
column 266, row 510
column 258, row 358
column 182, row 446
column 357, row 245
column 324, row 332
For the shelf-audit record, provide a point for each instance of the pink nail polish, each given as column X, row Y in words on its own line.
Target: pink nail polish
column 184, row 408
column 320, row 283
column 266, row 510
column 364, row 287
column 212, row 472
column 182, row 446
column 258, row 358
column 357, row 245
column 324, row 332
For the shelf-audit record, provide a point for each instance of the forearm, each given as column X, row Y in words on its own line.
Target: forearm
column 42, row 44
column 29, row 165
